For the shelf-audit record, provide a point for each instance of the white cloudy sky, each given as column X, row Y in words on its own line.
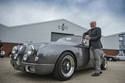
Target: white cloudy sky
column 109, row 14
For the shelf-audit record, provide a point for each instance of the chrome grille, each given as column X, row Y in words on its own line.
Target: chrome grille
column 31, row 59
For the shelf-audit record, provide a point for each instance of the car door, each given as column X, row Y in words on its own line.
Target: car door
column 84, row 55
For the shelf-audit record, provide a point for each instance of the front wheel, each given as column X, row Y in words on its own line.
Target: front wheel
column 65, row 66
column 17, row 61
column 1, row 56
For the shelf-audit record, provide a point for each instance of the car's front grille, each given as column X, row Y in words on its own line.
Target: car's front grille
column 31, row 59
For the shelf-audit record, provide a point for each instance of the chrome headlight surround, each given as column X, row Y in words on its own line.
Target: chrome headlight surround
column 25, row 57
column 22, row 49
column 14, row 50
column 31, row 50
column 15, row 56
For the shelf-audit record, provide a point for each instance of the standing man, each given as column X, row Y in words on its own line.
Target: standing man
column 94, row 36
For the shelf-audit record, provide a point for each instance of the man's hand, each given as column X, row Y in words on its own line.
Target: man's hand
column 87, row 37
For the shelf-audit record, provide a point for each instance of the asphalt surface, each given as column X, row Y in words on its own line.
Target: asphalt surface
column 114, row 74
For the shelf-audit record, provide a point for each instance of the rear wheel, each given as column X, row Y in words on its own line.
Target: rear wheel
column 65, row 66
column 104, row 64
column 1, row 56
column 110, row 59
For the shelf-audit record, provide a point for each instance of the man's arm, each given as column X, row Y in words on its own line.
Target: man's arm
column 98, row 35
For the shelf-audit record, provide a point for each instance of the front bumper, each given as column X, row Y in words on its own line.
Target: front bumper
column 34, row 67
column 38, row 68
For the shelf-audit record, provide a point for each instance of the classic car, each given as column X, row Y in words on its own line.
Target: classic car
column 2, row 54
column 62, row 58
column 119, row 57
column 111, row 58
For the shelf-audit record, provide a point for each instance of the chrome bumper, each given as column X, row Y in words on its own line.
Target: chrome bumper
column 38, row 68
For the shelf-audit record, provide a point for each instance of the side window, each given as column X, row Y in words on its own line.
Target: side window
column 121, row 55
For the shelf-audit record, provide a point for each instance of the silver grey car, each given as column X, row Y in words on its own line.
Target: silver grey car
column 62, row 58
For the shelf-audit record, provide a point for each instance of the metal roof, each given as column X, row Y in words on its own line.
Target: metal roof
column 19, row 26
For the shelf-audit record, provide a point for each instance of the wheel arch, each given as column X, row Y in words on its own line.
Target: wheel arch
column 57, row 74
column 71, row 53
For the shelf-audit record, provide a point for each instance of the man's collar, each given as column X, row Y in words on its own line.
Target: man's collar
column 93, row 28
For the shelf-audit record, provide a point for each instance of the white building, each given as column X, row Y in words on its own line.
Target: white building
column 111, row 42
column 114, row 43
column 52, row 31
column 40, row 32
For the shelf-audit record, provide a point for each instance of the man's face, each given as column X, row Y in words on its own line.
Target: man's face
column 93, row 25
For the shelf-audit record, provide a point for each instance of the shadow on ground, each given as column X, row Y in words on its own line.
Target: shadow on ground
column 50, row 77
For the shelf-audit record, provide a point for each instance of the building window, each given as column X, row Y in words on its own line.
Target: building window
column 55, row 36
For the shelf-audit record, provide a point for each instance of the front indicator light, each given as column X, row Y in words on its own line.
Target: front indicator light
column 36, row 58
column 25, row 57
column 15, row 56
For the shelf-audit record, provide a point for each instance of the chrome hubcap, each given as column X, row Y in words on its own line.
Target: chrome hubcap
column 68, row 66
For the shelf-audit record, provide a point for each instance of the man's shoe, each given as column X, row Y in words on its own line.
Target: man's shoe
column 96, row 74
column 100, row 72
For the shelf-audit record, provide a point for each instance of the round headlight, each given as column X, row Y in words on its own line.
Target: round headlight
column 21, row 49
column 14, row 50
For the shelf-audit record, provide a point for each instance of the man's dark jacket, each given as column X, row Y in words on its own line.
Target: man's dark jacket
column 95, row 36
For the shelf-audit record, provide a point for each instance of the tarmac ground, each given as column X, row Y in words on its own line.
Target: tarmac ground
column 114, row 74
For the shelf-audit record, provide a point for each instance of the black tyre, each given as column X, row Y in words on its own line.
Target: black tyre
column 104, row 64
column 65, row 66
column 17, row 63
column 1, row 56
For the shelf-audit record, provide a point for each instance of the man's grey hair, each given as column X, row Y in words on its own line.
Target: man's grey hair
column 93, row 22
